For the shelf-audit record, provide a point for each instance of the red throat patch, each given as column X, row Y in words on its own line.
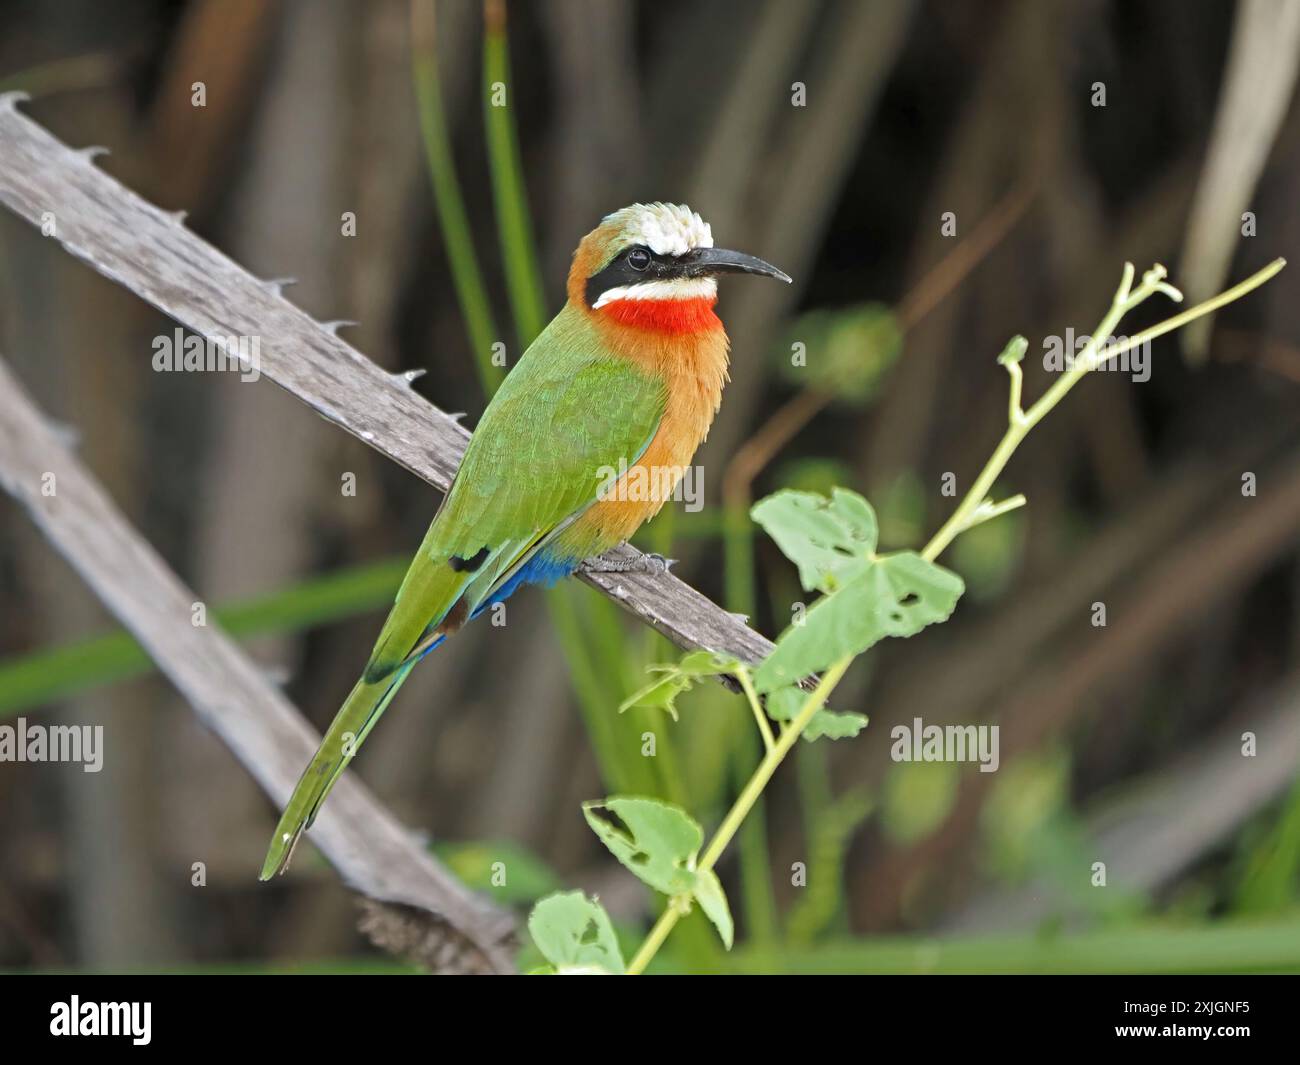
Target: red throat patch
column 665, row 316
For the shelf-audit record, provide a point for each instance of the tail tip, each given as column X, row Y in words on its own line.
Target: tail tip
column 280, row 853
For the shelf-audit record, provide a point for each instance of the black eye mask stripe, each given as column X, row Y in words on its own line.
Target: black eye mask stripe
column 698, row 262
column 620, row 272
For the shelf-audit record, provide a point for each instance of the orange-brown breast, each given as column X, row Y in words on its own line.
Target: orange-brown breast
column 682, row 342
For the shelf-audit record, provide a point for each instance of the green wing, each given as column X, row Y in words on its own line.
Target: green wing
column 563, row 419
column 565, row 416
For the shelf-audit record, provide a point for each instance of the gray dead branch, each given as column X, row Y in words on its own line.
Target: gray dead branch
column 374, row 854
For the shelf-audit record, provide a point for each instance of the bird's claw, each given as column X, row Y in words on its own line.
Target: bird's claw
column 641, row 563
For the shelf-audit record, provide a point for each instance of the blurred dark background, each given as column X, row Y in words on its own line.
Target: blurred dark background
column 1119, row 743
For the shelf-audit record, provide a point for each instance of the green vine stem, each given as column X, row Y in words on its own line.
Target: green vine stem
column 974, row 508
column 736, row 815
column 1021, row 421
column 764, row 729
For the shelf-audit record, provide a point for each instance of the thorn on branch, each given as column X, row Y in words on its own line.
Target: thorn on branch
column 277, row 285
column 409, row 377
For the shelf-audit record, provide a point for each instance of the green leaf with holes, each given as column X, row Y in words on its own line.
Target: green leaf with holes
column 893, row 595
column 574, row 933
column 660, row 843
column 830, row 540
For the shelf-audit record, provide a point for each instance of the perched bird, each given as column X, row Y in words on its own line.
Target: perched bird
column 627, row 378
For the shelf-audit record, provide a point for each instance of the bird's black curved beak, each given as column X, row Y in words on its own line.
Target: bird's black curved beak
column 703, row 262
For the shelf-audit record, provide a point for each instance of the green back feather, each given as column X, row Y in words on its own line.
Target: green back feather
column 569, row 408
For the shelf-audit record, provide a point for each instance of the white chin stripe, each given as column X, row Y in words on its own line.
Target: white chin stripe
column 679, row 288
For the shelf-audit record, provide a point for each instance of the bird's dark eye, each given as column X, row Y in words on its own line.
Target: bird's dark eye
column 638, row 258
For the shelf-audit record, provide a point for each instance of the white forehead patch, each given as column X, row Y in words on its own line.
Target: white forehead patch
column 665, row 228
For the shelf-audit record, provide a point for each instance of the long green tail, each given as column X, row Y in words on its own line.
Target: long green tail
column 427, row 594
column 351, row 725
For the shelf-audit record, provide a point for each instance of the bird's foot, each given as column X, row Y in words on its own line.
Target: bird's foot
column 641, row 563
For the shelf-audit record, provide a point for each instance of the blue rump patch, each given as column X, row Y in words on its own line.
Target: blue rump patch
column 540, row 569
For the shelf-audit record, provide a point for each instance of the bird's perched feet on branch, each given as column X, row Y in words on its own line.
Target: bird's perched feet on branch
column 642, row 563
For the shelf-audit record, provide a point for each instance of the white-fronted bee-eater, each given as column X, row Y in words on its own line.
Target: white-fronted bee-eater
column 627, row 377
